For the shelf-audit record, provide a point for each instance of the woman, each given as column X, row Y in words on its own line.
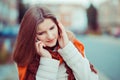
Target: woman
column 45, row 51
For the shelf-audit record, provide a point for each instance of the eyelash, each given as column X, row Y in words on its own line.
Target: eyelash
column 40, row 33
column 52, row 28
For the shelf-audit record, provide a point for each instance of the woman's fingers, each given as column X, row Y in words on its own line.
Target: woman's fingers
column 63, row 39
column 61, row 27
column 41, row 51
column 39, row 46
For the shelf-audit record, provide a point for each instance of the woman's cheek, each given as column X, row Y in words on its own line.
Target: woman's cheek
column 41, row 38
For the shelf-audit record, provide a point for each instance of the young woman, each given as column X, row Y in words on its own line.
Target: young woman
column 46, row 51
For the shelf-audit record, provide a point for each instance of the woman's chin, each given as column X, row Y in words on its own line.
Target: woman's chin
column 51, row 45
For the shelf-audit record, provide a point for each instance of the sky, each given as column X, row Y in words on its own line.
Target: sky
column 85, row 3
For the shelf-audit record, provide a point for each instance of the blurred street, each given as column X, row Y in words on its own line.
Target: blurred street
column 96, row 23
column 104, row 53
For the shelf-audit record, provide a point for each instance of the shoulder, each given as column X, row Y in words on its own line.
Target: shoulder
column 78, row 44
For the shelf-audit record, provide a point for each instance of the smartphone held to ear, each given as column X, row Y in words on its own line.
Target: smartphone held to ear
column 37, row 39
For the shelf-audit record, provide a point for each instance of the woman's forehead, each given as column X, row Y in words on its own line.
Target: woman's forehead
column 46, row 24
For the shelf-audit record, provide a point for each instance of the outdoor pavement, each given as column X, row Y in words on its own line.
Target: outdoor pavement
column 104, row 52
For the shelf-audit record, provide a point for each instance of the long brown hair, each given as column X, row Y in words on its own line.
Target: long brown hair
column 24, row 49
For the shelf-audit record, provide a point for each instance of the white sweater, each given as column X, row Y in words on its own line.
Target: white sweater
column 50, row 69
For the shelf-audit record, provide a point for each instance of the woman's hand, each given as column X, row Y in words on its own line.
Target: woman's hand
column 63, row 38
column 41, row 51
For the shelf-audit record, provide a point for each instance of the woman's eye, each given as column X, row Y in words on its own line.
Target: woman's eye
column 52, row 28
column 41, row 33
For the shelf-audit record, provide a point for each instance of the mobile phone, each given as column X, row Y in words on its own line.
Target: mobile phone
column 37, row 39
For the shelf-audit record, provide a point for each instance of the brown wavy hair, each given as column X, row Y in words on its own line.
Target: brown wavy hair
column 24, row 49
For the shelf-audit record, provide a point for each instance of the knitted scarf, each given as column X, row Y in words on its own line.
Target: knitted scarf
column 33, row 66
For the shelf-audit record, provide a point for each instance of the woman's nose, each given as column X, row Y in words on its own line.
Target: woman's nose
column 50, row 35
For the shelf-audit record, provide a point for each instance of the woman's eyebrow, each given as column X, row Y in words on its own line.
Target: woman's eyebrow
column 45, row 31
column 41, row 32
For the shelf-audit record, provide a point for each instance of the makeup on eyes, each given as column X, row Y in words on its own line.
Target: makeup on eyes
column 42, row 32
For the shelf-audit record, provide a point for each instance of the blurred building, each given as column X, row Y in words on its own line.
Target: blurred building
column 8, row 12
column 72, row 14
column 92, row 17
column 8, row 28
column 109, row 16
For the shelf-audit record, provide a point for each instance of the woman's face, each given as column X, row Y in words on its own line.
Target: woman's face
column 47, row 32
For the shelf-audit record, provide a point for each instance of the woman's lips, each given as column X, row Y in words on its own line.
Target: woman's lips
column 50, row 40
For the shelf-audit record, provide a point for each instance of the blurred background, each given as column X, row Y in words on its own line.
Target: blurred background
column 95, row 22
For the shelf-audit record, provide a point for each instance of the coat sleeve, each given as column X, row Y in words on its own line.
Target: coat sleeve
column 48, row 69
column 73, row 55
